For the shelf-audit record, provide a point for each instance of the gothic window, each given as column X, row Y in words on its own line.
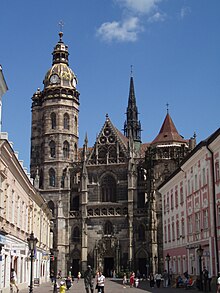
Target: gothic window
column 141, row 200
column 66, row 149
column 141, row 233
column 76, row 235
column 108, row 189
column 75, row 128
column 53, row 120
column 52, row 146
column 52, row 177
column 75, row 152
column 74, row 205
column 51, row 206
column 108, row 229
column 66, row 121
column 41, row 179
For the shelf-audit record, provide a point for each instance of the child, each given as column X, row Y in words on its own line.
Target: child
column 62, row 287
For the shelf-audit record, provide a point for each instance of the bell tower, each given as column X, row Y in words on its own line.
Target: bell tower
column 54, row 142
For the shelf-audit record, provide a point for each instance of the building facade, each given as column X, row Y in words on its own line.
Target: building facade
column 191, row 209
column 22, row 211
column 106, row 208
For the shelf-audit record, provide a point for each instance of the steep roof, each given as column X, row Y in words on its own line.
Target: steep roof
column 168, row 133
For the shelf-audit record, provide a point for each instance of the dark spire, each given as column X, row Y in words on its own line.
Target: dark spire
column 60, row 52
column 132, row 126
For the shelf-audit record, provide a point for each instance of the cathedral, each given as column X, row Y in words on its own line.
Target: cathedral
column 104, row 199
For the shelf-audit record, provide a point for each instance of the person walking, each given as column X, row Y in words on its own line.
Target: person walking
column 88, row 279
column 205, row 277
column 165, row 279
column 151, row 279
column 124, row 280
column 100, row 282
column 78, row 277
column 62, row 287
column 158, row 279
column 132, row 279
column 13, row 280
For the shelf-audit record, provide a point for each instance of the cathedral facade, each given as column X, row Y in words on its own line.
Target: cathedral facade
column 104, row 198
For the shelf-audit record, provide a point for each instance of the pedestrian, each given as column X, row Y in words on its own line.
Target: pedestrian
column 13, row 280
column 88, row 279
column 136, row 282
column 68, row 282
column 52, row 276
column 78, row 277
column 124, row 280
column 205, row 277
column 132, row 279
column 165, row 279
column 158, row 279
column 62, row 287
column 151, row 279
column 59, row 275
column 100, row 282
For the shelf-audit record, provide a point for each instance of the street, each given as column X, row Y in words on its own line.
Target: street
column 110, row 287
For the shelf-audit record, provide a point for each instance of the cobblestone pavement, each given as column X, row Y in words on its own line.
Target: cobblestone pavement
column 111, row 286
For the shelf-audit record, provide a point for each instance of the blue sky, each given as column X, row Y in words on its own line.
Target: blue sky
column 173, row 45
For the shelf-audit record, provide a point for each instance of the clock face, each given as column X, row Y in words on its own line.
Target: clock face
column 54, row 78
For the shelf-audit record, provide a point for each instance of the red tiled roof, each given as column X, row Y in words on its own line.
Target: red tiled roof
column 168, row 132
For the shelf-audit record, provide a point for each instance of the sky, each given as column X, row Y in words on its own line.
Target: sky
column 172, row 45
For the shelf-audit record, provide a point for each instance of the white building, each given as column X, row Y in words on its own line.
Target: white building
column 191, row 210
column 22, row 210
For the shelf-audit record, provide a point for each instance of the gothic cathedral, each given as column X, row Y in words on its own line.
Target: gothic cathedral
column 104, row 198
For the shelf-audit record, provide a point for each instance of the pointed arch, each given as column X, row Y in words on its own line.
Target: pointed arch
column 108, row 228
column 51, row 206
column 76, row 235
column 75, row 152
column 66, row 149
column 52, row 147
column 108, row 189
column 52, row 177
column 66, row 121
column 53, row 120
column 141, row 232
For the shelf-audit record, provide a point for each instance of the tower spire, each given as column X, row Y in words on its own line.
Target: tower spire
column 132, row 126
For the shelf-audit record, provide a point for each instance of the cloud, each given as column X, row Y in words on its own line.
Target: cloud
column 157, row 17
column 139, row 6
column 126, row 30
column 185, row 11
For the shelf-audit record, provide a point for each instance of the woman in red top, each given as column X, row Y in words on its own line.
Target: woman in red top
column 132, row 279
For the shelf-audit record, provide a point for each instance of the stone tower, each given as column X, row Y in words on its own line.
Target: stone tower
column 54, row 143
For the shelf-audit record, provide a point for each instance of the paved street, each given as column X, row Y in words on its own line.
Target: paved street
column 111, row 286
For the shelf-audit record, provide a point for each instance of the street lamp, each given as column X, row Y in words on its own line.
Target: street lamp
column 32, row 241
column 200, row 254
column 55, row 253
column 155, row 263
column 168, row 267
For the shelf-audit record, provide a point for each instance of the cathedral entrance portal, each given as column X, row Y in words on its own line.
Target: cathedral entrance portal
column 142, row 266
column 108, row 266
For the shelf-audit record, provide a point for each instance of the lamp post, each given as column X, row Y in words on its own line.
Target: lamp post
column 200, row 254
column 155, row 263
column 32, row 241
column 168, row 267
column 55, row 252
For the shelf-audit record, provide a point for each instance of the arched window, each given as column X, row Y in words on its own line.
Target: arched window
column 51, row 206
column 66, row 121
column 41, row 179
column 52, row 178
column 108, row 229
column 141, row 233
column 75, row 152
column 75, row 126
column 52, row 146
column 66, row 149
column 108, row 189
column 76, row 235
column 53, row 120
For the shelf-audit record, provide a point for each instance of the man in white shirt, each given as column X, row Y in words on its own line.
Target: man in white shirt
column 100, row 282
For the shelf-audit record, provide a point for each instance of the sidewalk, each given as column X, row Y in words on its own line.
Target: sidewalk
column 111, row 286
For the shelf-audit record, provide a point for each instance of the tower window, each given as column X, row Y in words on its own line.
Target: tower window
column 108, row 189
column 52, row 146
column 75, row 152
column 53, row 120
column 66, row 121
column 52, row 177
column 66, row 149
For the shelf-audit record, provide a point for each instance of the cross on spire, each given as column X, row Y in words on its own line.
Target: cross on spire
column 167, row 107
column 61, row 24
